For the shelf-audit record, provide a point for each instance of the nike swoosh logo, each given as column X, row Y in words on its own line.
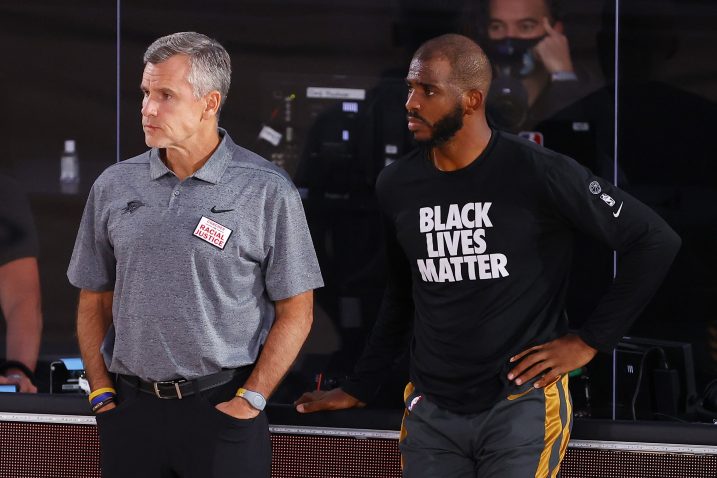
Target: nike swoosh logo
column 217, row 211
column 618, row 210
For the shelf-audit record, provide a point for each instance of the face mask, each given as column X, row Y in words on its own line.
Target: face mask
column 513, row 56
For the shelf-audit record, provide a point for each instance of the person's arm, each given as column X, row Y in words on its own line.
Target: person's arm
column 94, row 317
column 554, row 52
column 646, row 247
column 388, row 340
column 288, row 333
column 20, row 301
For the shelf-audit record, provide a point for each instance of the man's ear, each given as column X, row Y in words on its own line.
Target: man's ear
column 559, row 27
column 474, row 101
column 213, row 101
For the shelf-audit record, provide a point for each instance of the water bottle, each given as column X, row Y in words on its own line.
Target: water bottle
column 69, row 169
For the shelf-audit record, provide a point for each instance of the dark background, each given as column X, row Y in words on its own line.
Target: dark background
column 59, row 80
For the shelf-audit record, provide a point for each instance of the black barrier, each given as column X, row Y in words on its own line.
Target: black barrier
column 43, row 435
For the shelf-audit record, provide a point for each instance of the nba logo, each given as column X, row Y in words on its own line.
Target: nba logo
column 533, row 136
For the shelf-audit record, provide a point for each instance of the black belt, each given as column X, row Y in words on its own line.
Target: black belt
column 180, row 388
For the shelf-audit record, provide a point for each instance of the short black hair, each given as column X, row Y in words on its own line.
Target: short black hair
column 477, row 16
column 556, row 9
column 470, row 68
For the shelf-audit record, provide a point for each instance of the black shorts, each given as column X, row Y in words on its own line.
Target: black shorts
column 525, row 434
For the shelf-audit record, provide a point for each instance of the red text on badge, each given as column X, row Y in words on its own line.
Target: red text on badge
column 212, row 232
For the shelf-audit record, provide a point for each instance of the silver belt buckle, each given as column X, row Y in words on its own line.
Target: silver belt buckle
column 168, row 382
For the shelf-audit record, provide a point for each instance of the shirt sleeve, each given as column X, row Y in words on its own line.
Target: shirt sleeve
column 645, row 243
column 291, row 266
column 392, row 330
column 93, row 264
column 18, row 237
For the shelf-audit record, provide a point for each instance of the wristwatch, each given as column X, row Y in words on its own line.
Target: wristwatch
column 255, row 399
column 563, row 76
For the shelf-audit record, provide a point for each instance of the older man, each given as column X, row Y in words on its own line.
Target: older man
column 196, row 271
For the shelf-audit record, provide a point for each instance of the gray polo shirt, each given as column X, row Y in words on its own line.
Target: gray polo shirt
column 195, row 265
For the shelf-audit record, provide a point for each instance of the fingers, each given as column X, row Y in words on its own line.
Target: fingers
column 27, row 387
column 308, row 407
column 309, row 397
column 313, row 402
column 532, row 362
column 237, row 408
column 315, row 406
column 24, row 384
column 553, row 50
column 522, row 354
column 551, row 359
column 530, row 367
column 549, row 378
column 335, row 399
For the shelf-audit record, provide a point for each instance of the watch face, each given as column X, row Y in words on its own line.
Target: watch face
column 255, row 399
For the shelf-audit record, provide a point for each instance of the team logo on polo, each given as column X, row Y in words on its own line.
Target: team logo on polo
column 595, row 187
column 132, row 206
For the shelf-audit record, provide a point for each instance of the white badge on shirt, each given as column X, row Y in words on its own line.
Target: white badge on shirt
column 212, row 232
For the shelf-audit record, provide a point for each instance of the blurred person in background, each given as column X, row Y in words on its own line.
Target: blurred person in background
column 19, row 288
column 534, row 73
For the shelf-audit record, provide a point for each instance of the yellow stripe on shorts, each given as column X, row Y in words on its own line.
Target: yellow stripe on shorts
column 556, row 394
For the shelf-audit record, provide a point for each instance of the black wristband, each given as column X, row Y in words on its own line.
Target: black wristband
column 8, row 364
column 102, row 404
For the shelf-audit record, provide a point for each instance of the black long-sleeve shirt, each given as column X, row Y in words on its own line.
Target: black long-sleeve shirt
column 478, row 263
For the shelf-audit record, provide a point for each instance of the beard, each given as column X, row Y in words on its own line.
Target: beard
column 445, row 128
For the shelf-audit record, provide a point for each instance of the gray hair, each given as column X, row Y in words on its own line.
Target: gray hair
column 209, row 64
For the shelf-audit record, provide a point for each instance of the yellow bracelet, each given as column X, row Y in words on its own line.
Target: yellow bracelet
column 100, row 391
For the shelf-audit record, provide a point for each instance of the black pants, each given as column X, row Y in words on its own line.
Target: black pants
column 149, row 437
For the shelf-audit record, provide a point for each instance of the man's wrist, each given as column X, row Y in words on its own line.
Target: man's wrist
column 563, row 76
column 15, row 377
column 255, row 399
column 14, row 372
column 14, row 367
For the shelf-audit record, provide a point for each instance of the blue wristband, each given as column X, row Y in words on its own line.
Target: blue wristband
column 102, row 397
